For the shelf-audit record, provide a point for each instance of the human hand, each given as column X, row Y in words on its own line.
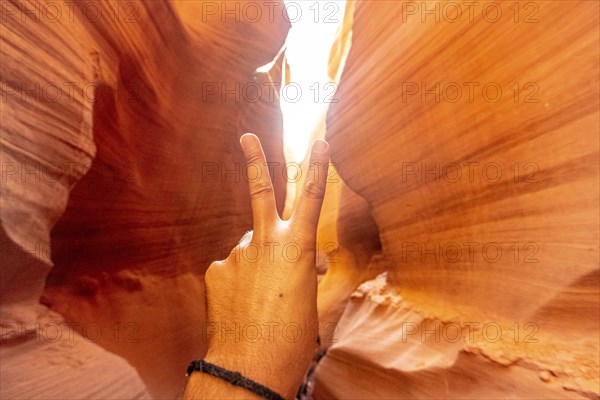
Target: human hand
column 262, row 308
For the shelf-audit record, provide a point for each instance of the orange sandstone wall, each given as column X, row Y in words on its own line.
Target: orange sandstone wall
column 139, row 184
column 467, row 217
column 486, row 202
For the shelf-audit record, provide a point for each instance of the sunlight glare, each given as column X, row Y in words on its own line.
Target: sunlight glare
column 305, row 99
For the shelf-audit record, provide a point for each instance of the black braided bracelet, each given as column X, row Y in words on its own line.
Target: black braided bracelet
column 233, row 377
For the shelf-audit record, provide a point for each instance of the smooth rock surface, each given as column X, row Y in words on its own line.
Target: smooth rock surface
column 138, row 180
column 458, row 249
column 486, row 205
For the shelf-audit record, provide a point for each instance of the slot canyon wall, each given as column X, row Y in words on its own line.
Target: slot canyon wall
column 117, row 196
column 486, row 203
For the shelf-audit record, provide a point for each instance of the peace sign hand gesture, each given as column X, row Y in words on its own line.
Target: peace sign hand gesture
column 261, row 300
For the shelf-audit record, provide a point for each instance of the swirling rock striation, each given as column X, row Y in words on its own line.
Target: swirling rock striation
column 139, row 181
column 481, row 171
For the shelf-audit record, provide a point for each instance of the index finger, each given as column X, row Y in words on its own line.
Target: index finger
column 262, row 194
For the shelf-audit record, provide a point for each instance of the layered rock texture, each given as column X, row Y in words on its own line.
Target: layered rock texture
column 123, row 180
column 458, row 243
column 474, row 139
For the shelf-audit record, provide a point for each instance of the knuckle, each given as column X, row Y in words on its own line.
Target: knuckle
column 261, row 189
column 305, row 237
column 309, row 244
column 246, row 237
column 313, row 191
column 212, row 271
column 255, row 158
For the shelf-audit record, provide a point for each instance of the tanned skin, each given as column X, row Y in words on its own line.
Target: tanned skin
column 262, row 299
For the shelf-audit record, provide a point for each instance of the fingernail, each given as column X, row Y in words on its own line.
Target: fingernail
column 320, row 146
column 248, row 140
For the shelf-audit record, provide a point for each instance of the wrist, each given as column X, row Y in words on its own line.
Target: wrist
column 258, row 369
